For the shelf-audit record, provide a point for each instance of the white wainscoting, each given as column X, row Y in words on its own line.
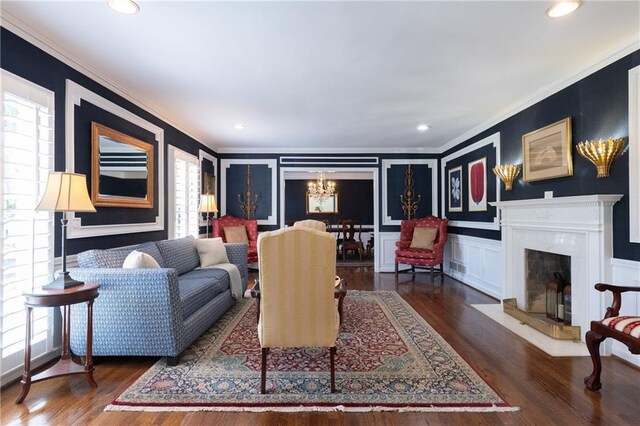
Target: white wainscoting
column 476, row 262
column 625, row 273
column 386, row 250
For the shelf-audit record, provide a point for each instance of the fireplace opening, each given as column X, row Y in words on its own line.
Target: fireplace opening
column 540, row 269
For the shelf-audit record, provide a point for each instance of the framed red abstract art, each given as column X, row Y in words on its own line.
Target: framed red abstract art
column 477, row 185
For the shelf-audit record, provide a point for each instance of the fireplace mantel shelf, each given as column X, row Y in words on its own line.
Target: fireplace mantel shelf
column 575, row 201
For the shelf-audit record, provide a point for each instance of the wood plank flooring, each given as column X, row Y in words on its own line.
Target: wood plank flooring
column 548, row 390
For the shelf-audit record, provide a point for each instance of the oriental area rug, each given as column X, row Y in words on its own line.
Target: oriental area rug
column 388, row 358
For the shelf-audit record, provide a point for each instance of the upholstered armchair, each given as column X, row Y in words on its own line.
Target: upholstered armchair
column 414, row 247
column 311, row 223
column 249, row 236
column 297, row 298
column 624, row 329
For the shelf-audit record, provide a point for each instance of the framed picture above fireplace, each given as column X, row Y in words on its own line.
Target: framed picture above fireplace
column 546, row 152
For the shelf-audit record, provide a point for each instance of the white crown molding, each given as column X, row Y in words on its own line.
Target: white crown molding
column 621, row 50
column 36, row 38
column 386, row 165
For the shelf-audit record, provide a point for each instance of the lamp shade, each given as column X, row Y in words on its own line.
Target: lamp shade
column 208, row 204
column 66, row 192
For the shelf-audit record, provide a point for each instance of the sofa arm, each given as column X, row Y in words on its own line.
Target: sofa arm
column 137, row 312
column 403, row 245
column 237, row 254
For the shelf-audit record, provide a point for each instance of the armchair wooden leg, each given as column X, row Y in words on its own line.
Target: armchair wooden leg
column 593, row 344
column 432, row 274
column 396, row 271
column 263, row 376
column 442, row 272
column 332, row 355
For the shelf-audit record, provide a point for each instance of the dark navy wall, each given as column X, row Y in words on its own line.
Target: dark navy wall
column 598, row 107
column 355, row 201
column 31, row 63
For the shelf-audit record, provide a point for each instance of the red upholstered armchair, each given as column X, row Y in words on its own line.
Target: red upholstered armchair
column 251, row 225
column 421, row 257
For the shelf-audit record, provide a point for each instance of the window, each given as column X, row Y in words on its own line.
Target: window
column 26, row 247
column 184, row 190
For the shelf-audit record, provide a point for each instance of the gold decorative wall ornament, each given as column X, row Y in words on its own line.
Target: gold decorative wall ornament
column 507, row 174
column 248, row 206
column 601, row 153
column 409, row 206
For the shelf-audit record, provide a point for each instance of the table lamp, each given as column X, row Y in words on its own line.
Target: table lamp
column 208, row 205
column 65, row 192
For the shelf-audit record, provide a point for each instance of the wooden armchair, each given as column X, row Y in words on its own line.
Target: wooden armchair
column 349, row 239
column 625, row 329
column 409, row 254
column 297, row 292
column 251, row 227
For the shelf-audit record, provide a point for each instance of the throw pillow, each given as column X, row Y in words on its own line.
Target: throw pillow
column 211, row 251
column 236, row 234
column 138, row 259
column 423, row 238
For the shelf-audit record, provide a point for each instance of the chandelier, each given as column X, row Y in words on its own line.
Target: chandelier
column 321, row 189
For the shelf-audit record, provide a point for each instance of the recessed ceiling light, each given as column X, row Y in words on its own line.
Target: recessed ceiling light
column 239, row 127
column 423, row 128
column 128, row 7
column 562, row 8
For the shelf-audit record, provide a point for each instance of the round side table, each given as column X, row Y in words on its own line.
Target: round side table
column 85, row 293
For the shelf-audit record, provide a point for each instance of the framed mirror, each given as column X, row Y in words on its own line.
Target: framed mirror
column 315, row 206
column 121, row 169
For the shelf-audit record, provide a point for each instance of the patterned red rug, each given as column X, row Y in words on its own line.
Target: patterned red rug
column 388, row 358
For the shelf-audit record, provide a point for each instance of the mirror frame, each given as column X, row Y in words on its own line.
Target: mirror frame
column 333, row 198
column 98, row 200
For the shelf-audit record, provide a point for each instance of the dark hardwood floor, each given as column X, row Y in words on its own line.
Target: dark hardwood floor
column 548, row 390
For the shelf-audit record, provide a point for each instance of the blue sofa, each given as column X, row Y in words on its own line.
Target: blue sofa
column 152, row 312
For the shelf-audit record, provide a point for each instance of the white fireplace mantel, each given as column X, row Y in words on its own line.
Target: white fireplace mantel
column 579, row 227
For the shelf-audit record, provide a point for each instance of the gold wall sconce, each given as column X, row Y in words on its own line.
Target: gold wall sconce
column 601, row 153
column 507, row 174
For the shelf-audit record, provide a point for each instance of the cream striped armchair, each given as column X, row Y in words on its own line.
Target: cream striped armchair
column 297, row 304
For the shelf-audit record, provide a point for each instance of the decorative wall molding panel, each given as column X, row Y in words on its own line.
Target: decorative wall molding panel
column 634, row 155
column 386, row 165
column 75, row 94
column 272, row 164
column 474, row 261
column 493, row 140
column 326, row 161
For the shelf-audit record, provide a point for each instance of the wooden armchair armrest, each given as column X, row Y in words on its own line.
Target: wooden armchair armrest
column 614, row 309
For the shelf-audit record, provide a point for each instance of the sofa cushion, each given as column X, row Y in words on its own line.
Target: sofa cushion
column 103, row 258
column 199, row 287
column 415, row 253
column 152, row 250
column 211, row 251
column 138, row 259
column 180, row 254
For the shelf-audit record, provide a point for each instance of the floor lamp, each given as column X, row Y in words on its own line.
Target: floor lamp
column 65, row 192
column 208, row 206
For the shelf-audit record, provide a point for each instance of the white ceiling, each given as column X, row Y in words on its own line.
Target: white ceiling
column 330, row 75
